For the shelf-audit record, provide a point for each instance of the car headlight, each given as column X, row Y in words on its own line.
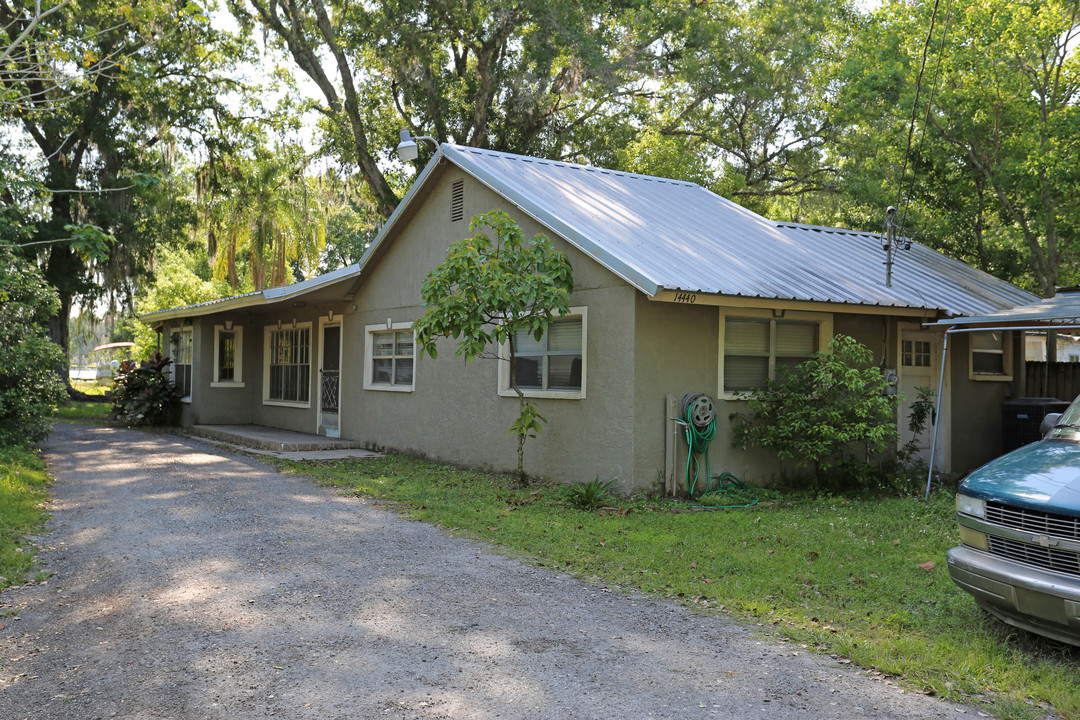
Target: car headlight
column 967, row 505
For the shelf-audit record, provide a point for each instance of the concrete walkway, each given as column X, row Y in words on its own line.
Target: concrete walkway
column 288, row 444
column 190, row 582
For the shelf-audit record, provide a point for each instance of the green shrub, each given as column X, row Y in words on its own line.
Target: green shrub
column 30, row 386
column 830, row 412
column 145, row 395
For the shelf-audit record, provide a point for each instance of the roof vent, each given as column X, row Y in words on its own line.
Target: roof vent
column 457, row 201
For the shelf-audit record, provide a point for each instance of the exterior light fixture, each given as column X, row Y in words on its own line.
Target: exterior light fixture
column 408, row 150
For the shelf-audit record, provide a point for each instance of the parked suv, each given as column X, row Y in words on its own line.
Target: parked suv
column 1019, row 521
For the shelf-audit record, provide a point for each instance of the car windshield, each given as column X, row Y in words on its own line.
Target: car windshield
column 1067, row 426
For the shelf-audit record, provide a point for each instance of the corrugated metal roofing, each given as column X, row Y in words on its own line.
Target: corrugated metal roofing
column 259, row 297
column 661, row 234
column 921, row 277
column 1061, row 310
column 669, row 235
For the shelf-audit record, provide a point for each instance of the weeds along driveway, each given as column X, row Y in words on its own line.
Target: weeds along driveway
column 188, row 582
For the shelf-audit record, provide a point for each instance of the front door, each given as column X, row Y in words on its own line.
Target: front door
column 920, row 366
column 330, row 381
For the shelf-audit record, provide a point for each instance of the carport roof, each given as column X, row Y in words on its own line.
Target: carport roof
column 1061, row 310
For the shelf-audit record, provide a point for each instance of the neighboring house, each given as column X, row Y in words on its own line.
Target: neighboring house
column 1067, row 347
column 676, row 290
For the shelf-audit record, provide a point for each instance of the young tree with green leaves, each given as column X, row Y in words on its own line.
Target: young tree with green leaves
column 489, row 288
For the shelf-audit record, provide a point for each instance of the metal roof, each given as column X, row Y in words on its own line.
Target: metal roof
column 1061, row 310
column 662, row 234
column 659, row 234
column 921, row 277
column 252, row 299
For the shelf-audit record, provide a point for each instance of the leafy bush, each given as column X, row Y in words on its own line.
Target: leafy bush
column 830, row 412
column 144, row 395
column 590, row 495
column 30, row 386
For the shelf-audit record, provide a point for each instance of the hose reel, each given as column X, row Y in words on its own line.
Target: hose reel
column 698, row 417
column 699, row 409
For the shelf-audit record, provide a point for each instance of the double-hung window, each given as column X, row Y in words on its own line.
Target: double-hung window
column 554, row 365
column 390, row 354
column 182, row 354
column 288, row 356
column 758, row 347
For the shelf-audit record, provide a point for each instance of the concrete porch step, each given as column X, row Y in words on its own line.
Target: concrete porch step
column 260, row 437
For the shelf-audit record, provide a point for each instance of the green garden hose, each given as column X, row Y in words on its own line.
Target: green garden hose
column 699, row 419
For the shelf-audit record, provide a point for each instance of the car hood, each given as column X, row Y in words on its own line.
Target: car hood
column 1044, row 476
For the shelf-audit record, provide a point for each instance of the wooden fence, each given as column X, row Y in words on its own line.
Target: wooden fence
column 1059, row 380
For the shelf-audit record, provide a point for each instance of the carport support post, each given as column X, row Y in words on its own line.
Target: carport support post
column 937, row 413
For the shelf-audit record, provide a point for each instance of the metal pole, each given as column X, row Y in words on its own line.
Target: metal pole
column 890, row 241
column 937, row 414
column 941, row 378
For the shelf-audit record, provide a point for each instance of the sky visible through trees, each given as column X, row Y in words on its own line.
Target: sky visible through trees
column 255, row 139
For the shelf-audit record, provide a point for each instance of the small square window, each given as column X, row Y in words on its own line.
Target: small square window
column 390, row 358
column 759, row 349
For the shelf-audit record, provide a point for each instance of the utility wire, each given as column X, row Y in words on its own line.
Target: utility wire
column 929, row 102
column 915, row 104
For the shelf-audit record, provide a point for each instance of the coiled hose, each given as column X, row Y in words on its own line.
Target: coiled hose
column 699, row 419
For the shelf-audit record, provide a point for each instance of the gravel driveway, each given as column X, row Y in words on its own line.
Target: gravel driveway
column 189, row 582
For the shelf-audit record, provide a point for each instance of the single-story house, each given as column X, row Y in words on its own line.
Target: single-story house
column 676, row 290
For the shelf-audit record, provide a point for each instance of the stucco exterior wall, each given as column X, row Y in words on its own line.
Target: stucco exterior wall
column 976, row 419
column 455, row 412
column 243, row 402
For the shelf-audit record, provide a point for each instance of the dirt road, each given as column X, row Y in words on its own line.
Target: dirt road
column 190, row 582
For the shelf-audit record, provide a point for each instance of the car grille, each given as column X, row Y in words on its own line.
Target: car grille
column 1062, row 561
column 1032, row 521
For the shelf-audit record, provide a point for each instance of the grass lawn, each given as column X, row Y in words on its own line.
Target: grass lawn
column 864, row 580
column 87, row 413
column 23, row 494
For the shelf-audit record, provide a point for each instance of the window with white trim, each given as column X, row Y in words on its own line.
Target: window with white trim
column 288, row 364
column 181, row 354
column 758, row 347
column 990, row 356
column 554, row 365
column 390, row 357
column 228, row 356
